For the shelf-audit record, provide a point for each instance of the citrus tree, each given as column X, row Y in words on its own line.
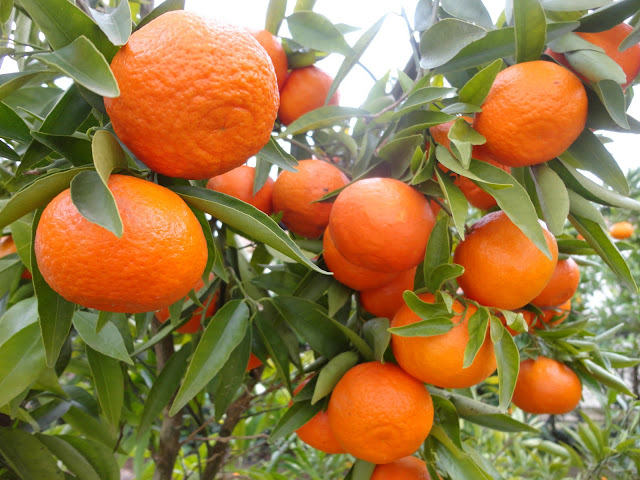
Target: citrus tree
column 405, row 283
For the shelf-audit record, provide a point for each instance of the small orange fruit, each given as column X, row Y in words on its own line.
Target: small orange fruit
column 193, row 325
column 546, row 386
column 381, row 224
column 405, row 468
column 295, row 192
column 533, row 113
column 439, row 359
column 621, row 230
column 239, row 184
column 379, row 413
column 275, row 51
column 563, row 284
column 7, row 247
column 156, row 262
column 305, row 90
column 529, row 318
column 254, row 362
column 353, row 276
column 553, row 316
column 503, row 268
column 197, row 97
column 385, row 301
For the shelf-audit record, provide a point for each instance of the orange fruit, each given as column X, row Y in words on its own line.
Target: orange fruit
column 563, row 284
column 529, row 318
column 254, row 362
column 239, row 184
column 317, row 432
column 554, row 315
column 353, row 276
column 438, row 359
column 305, row 90
column 295, row 192
column 197, row 97
column 193, row 325
column 7, row 247
column 156, row 262
column 533, row 113
column 385, row 301
column 546, row 386
column 276, row 53
column 621, row 230
column 381, row 224
column 609, row 41
column 379, row 413
column 503, row 268
column 405, row 468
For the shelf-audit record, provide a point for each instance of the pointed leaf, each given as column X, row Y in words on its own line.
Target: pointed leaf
column 552, row 196
column 28, row 457
column 273, row 153
column 109, row 383
column 313, row 30
column 12, row 126
column 164, row 7
column 331, row 374
column 323, row 117
column 19, row 316
column 376, row 332
column 476, row 90
column 438, row 247
column 232, row 375
column 455, row 461
column 108, row 155
column 73, row 460
column 455, row 198
column 100, row 457
column 613, row 99
column 10, row 82
column 297, row 415
column 507, row 359
column 531, row 29
column 116, row 24
column 90, row 426
column 275, row 14
column 108, row 341
column 477, row 326
column 445, row 39
column 608, row 16
column 469, row 10
column 95, row 202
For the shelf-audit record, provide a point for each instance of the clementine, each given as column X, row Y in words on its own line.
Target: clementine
column 405, row 468
column 305, row 90
column 553, row 316
column 563, row 284
column 385, row 301
column 621, row 230
column 239, row 184
column 276, row 53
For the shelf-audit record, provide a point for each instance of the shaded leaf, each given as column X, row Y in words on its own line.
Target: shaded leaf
column 445, row 39
column 109, row 384
column 73, row 460
column 507, row 359
column 297, row 415
column 331, row 374
column 531, row 29
column 95, row 202
column 477, row 326
column 275, row 14
column 27, row 456
column 108, row 341
column 376, row 332
column 116, row 24
column 232, row 375
column 19, row 316
column 552, row 196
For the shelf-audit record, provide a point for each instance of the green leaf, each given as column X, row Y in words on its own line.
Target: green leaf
column 108, row 341
column 84, row 63
column 164, row 7
column 456, row 462
column 445, row 39
column 608, row 16
column 232, row 375
column 27, row 457
column 296, row 416
column 399, row 152
column 99, row 457
column 12, row 126
column 273, row 153
column 223, row 334
column 421, row 97
column 6, row 6
column 596, row 66
column 469, row 10
column 316, row 31
column 10, row 82
column 552, row 197
column 92, row 427
column 108, row 155
column 244, row 218
column 376, row 332
column 19, row 316
column 362, row 470
column 507, row 359
column 116, row 24
column 443, row 273
column 73, row 460
column 279, row 341
column 424, row 328
column 476, row 90
column 583, row 208
column 612, row 97
column 572, row 5
column 21, row 361
column 74, row 148
column 109, row 383
column 337, row 297
column 331, row 374
column 455, row 198
column 607, row 378
column 477, row 327
column 275, row 14
column 95, row 202
column 323, row 117
column 438, row 248
column 531, row 29
column 632, row 39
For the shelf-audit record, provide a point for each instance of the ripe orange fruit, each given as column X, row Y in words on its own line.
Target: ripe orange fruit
column 553, row 316
column 438, row 360
column 381, row 224
column 294, row 192
column 563, row 284
column 503, row 268
column 275, row 51
column 609, row 41
column 533, row 113
column 546, row 386
column 239, row 184
column 353, row 276
column 317, row 432
column 193, row 325
column 254, row 362
column 7, row 247
column 305, row 90
column 385, row 301
column 621, row 230
column 197, row 97
column 405, row 468
column 529, row 318
column 379, row 413
column 156, row 262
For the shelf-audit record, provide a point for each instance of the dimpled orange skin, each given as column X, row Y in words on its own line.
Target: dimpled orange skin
column 546, row 386
column 156, row 262
column 239, row 184
column 562, row 286
column 197, row 97
column 294, row 192
column 385, row 301
column 305, row 90
column 621, row 230
column 351, row 275
column 381, row 224
column 533, row 113
column 379, row 413
column 438, row 360
column 503, row 268
column 405, row 468
column 276, row 53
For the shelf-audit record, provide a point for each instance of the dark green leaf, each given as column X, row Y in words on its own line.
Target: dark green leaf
column 552, row 196
column 486, row 48
column 438, row 247
column 10, row 82
column 116, row 24
column 76, row 149
column 376, row 332
column 19, row 316
column 232, row 375
column 477, row 326
column 27, row 457
column 95, row 202
column 445, row 39
column 100, row 457
column 331, row 374
column 273, row 153
column 421, row 97
column 12, row 126
column 443, row 273
column 73, row 460
column 297, row 415
column 279, row 341
column 477, row 89
column 337, row 297
column 109, row 383
column 399, row 151
column 613, row 99
column 507, row 359
column 275, row 14
column 315, row 31
column 108, row 341
column 531, row 29
column 323, row 117
column 632, row 39
column 164, row 7
column 455, row 198
column 90, row 426
column 608, row 16
column 572, row 5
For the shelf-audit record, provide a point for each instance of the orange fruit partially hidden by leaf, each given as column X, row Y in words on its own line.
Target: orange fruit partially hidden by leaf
column 529, row 318
column 503, row 268
column 239, row 184
column 379, row 413
column 385, row 301
column 621, row 230
column 294, row 194
column 193, row 325
column 276, row 53
column 562, row 286
column 553, row 316
column 533, row 112
column 156, row 262
column 405, row 468
column 254, row 362
column 197, row 97
column 7, row 247
column 305, row 90
column 439, row 359
column 381, row 224
column 546, row 386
